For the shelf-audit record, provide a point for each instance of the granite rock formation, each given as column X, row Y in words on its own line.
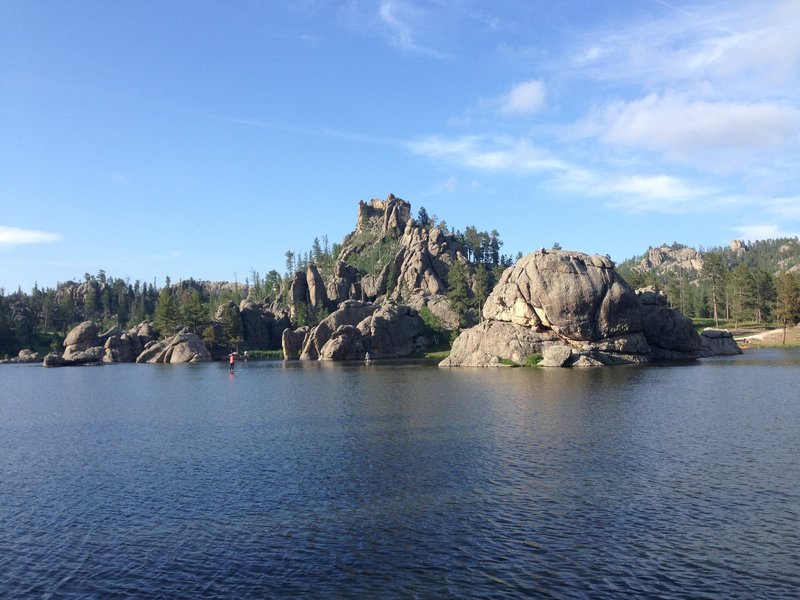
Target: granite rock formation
column 577, row 302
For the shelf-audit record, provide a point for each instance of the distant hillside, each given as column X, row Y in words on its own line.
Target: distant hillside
column 740, row 280
column 773, row 256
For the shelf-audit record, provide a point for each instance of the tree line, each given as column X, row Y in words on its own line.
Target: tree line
column 728, row 287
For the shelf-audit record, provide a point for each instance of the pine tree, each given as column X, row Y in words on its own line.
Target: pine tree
column 458, row 292
column 194, row 313
column 741, row 284
column 482, row 286
column 787, row 303
column 715, row 273
column 167, row 314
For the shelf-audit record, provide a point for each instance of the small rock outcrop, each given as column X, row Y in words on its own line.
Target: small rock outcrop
column 718, row 342
column 84, row 346
column 356, row 328
column 184, row 347
column 490, row 341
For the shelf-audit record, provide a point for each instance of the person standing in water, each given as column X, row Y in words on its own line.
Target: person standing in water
column 231, row 361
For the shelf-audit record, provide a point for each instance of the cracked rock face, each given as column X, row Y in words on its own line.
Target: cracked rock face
column 578, row 311
column 577, row 296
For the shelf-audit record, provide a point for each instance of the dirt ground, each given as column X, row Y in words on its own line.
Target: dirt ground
column 765, row 339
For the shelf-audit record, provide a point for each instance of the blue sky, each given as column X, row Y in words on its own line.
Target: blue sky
column 202, row 139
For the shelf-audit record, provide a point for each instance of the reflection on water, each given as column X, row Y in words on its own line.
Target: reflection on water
column 401, row 480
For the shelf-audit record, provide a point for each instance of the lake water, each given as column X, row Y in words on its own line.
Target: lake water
column 404, row 480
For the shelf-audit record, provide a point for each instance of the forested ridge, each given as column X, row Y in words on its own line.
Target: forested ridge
column 754, row 282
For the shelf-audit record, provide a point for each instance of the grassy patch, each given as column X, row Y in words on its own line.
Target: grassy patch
column 533, row 360
column 437, row 355
column 258, row 354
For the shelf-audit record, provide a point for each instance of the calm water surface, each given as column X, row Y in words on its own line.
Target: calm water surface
column 319, row 480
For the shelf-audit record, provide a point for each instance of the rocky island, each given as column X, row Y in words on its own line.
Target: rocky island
column 389, row 294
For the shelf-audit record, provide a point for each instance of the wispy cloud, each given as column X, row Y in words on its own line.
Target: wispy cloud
column 15, row 236
column 523, row 99
column 401, row 19
column 763, row 231
column 488, row 153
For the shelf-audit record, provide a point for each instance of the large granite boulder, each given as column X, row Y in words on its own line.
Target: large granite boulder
column 393, row 331
column 489, row 342
column 83, row 334
column 292, row 342
column 346, row 343
column 183, row 347
column 578, row 302
column 716, row 342
column 350, row 312
column 577, row 296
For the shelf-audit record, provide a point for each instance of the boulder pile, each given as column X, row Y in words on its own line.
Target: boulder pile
column 575, row 310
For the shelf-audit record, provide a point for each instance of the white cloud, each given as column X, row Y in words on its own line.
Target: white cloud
column 489, row 153
column 682, row 127
column 764, row 231
column 739, row 46
column 14, row 236
column 524, row 98
column 401, row 18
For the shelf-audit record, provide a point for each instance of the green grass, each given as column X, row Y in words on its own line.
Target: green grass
column 531, row 362
column 258, row 354
column 436, row 355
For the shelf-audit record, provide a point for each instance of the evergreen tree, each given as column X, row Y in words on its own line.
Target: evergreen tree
column 787, row 303
column 231, row 322
column 194, row 313
column 715, row 274
column 741, row 292
column 482, row 287
column 167, row 314
column 458, row 291
column 423, row 220
column 763, row 294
